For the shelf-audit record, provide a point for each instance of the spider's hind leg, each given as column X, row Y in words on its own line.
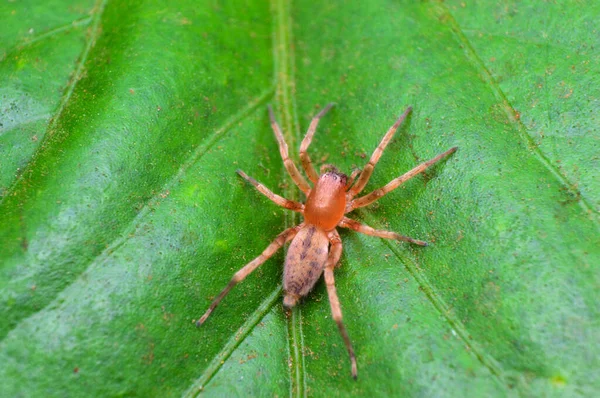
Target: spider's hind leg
column 251, row 266
column 289, row 164
column 334, row 301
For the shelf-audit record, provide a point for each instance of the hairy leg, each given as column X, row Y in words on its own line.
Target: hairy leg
column 251, row 266
column 368, row 170
column 288, row 163
column 395, row 183
column 306, row 162
column 281, row 201
column 365, row 229
column 336, row 309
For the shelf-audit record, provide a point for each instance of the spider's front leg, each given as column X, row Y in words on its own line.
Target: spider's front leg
column 336, row 310
column 396, row 182
column 287, row 162
column 304, row 158
column 368, row 170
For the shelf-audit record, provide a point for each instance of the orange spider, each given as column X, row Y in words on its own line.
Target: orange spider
column 316, row 246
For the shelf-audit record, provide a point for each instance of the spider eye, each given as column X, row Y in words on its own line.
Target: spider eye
column 336, row 176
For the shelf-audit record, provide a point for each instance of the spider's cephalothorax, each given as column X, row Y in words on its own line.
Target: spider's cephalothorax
column 326, row 202
column 316, row 246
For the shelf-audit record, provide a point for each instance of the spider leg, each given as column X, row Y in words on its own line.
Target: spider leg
column 288, row 163
column 352, row 177
column 395, row 183
column 251, row 266
column 365, row 229
column 368, row 170
column 281, row 201
column 306, row 162
column 336, row 310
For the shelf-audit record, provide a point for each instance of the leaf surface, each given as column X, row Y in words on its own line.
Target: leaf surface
column 122, row 126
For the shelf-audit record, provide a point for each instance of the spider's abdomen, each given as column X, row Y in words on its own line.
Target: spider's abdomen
column 304, row 263
column 326, row 203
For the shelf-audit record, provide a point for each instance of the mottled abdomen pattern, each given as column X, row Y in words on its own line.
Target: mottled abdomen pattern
column 304, row 263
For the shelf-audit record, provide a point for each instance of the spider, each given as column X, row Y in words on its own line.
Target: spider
column 316, row 245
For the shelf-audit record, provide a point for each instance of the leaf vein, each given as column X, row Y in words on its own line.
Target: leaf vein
column 515, row 121
column 440, row 305
column 233, row 343
column 195, row 157
column 95, row 32
column 283, row 53
column 28, row 41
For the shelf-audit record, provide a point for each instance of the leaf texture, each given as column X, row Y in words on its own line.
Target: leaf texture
column 121, row 215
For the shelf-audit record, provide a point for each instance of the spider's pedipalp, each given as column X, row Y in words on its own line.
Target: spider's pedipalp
column 336, row 309
column 287, row 162
column 395, row 183
column 279, row 200
column 246, row 270
column 368, row 169
column 365, row 229
column 355, row 172
column 304, row 157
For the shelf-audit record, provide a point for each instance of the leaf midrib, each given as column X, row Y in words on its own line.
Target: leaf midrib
column 283, row 51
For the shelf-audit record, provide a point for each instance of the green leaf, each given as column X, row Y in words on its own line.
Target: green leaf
column 121, row 216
